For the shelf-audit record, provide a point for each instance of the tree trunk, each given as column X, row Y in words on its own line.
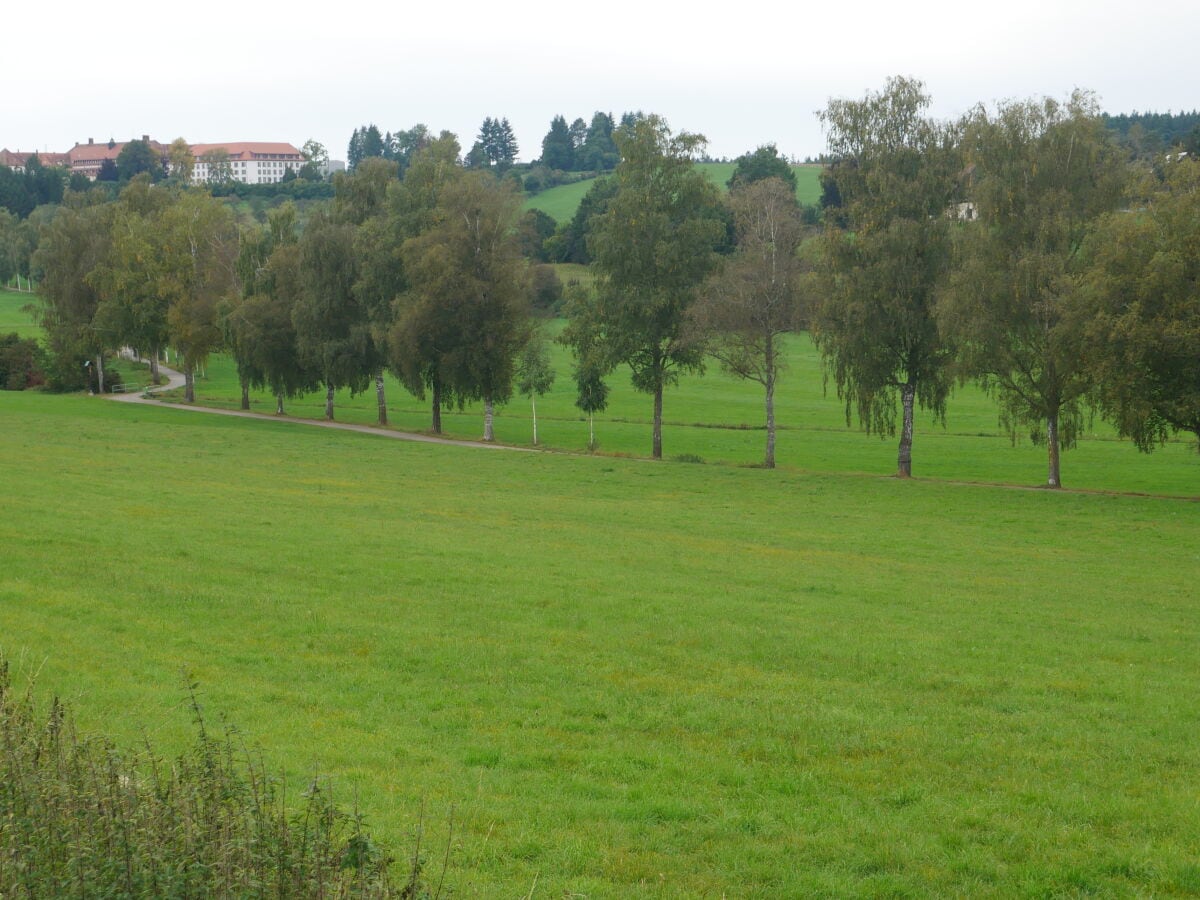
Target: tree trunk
column 908, row 393
column 488, row 414
column 189, row 384
column 380, row 399
column 769, row 460
column 155, row 377
column 591, row 432
column 99, row 373
column 245, row 394
column 533, row 406
column 329, row 400
column 1053, row 478
column 657, row 441
column 279, row 404
column 436, row 427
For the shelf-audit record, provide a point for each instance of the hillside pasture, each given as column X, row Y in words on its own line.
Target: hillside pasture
column 561, row 202
column 719, row 419
column 13, row 317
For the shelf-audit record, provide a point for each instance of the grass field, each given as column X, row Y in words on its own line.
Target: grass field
column 720, row 420
column 562, row 201
column 618, row 678
column 626, row 678
column 12, row 316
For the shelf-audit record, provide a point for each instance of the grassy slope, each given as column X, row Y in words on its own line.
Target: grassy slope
column 719, row 419
column 561, row 202
column 12, row 317
column 631, row 679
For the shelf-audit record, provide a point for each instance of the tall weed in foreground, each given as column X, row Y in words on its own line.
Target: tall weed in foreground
column 81, row 817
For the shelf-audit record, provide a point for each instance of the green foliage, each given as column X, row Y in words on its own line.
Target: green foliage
column 495, row 146
column 73, row 243
column 138, row 157
column 558, row 150
column 747, row 307
column 467, row 282
column 765, row 162
column 365, row 142
column 20, row 363
column 1148, row 132
column 896, row 177
column 279, row 191
column 1045, row 172
column 82, row 815
column 534, row 230
column 653, row 246
column 333, row 328
column 37, row 185
column 1143, row 344
column 570, row 244
column 546, row 290
column 535, row 375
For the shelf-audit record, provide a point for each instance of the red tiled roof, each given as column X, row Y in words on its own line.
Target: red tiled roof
column 18, row 158
column 249, row 150
column 94, row 154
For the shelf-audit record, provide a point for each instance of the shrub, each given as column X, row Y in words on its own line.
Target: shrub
column 547, row 289
column 21, row 363
column 82, row 817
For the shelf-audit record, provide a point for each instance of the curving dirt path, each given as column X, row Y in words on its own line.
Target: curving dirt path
column 176, row 380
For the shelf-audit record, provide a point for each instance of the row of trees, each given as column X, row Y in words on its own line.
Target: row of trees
column 583, row 147
column 422, row 276
column 1016, row 247
column 22, row 192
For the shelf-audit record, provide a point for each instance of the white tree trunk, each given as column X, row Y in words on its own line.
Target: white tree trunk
column 533, row 404
column 380, row 398
column 488, row 414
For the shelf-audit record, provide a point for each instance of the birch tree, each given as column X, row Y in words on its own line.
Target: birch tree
column 746, row 308
column 535, row 375
column 895, row 172
column 1044, row 173
column 1143, row 339
column 652, row 249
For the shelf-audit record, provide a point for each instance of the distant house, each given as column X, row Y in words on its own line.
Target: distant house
column 965, row 210
column 17, row 159
column 87, row 159
column 250, row 162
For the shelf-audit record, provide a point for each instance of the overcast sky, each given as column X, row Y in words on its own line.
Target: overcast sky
column 742, row 74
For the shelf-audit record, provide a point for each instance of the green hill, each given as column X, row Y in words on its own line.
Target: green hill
column 562, row 201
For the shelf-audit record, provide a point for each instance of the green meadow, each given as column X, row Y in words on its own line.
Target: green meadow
column 598, row 676
column 562, row 201
column 720, row 420
column 13, row 317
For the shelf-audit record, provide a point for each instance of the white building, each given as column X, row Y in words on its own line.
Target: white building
column 250, row 162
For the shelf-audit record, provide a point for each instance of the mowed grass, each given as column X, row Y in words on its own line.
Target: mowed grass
column 562, row 201
column 13, row 317
column 622, row 678
column 719, row 419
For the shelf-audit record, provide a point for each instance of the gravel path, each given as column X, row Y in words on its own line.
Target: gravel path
column 176, row 380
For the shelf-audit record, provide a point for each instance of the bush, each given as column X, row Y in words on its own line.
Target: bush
column 21, row 363
column 547, row 289
column 82, row 817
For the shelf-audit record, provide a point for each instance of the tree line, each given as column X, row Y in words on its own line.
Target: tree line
column 1019, row 247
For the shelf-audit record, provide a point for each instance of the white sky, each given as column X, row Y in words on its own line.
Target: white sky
column 742, row 74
